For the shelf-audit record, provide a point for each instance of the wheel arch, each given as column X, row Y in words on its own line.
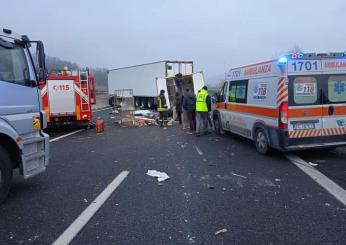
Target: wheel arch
column 12, row 148
column 260, row 125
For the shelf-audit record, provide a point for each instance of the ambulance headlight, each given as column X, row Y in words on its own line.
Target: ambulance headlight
column 283, row 60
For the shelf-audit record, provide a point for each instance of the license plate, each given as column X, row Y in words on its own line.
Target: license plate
column 303, row 126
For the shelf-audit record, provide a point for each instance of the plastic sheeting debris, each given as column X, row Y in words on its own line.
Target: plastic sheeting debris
column 312, row 164
column 221, row 231
column 161, row 176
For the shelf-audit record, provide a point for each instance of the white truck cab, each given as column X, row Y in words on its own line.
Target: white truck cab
column 23, row 144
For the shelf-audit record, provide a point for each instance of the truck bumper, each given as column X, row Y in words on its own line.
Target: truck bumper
column 35, row 155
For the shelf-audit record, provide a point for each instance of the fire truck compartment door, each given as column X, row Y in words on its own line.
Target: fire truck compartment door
column 161, row 83
column 61, row 96
column 198, row 81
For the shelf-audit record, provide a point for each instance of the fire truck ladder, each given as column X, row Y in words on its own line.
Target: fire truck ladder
column 84, row 86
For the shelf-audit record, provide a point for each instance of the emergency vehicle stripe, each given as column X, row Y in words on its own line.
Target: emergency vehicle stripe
column 282, row 91
column 44, row 90
column 80, row 92
column 315, row 111
column 260, row 111
column 334, row 131
column 317, row 132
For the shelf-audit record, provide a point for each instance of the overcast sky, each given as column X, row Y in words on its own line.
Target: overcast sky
column 215, row 34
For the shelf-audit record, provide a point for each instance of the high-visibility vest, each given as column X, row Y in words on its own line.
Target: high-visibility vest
column 160, row 107
column 201, row 101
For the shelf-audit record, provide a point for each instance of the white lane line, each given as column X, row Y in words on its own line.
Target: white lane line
column 66, row 135
column 199, row 151
column 71, row 232
column 320, row 178
column 103, row 109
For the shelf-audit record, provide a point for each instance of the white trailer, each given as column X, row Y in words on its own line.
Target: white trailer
column 142, row 79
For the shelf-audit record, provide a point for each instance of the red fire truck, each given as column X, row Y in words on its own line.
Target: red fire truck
column 66, row 98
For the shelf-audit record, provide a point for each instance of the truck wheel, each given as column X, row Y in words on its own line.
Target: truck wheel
column 261, row 141
column 217, row 126
column 5, row 174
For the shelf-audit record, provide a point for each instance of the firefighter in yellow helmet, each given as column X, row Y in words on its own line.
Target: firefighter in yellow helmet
column 162, row 108
column 203, row 107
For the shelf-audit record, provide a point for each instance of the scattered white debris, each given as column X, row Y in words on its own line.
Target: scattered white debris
column 327, row 204
column 185, row 220
column 221, row 231
column 312, row 164
column 241, row 176
column 199, row 151
column 224, row 189
column 277, row 180
column 85, row 200
column 161, row 176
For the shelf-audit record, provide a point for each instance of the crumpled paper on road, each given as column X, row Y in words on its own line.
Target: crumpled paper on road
column 161, row 176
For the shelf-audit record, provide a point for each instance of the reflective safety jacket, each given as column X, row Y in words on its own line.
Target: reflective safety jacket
column 161, row 103
column 201, row 101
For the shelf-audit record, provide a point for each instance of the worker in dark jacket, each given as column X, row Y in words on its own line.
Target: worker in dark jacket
column 162, row 108
column 203, row 107
column 178, row 107
column 189, row 105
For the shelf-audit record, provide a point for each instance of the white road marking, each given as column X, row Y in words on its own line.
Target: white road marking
column 71, row 232
column 103, row 109
column 199, row 151
column 320, row 178
column 66, row 135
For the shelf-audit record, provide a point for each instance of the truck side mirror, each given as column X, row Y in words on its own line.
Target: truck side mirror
column 41, row 62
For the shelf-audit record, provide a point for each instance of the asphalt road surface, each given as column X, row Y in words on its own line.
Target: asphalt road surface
column 220, row 191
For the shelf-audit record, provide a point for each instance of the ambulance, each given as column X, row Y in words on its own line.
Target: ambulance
column 297, row 101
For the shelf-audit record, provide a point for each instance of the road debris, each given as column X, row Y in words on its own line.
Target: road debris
column 221, row 231
column 199, row 151
column 161, row 176
column 277, row 180
column 238, row 175
column 312, row 164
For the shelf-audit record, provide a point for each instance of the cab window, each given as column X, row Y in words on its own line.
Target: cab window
column 337, row 89
column 305, row 90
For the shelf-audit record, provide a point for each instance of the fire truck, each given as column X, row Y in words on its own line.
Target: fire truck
column 66, row 98
column 92, row 88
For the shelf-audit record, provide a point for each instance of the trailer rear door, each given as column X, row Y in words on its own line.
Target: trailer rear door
column 198, row 81
column 161, row 83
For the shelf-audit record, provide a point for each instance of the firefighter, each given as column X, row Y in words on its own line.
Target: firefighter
column 162, row 109
column 203, row 107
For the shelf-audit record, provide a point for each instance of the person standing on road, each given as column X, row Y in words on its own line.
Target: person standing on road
column 203, row 107
column 162, row 108
column 178, row 107
column 189, row 105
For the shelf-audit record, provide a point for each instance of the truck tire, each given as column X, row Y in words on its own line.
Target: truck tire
column 5, row 174
column 217, row 126
column 261, row 141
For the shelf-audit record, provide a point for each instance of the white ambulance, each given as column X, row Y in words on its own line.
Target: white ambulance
column 295, row 102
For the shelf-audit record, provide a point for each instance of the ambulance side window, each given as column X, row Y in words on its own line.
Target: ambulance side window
column 239, row 92
column 337, row 89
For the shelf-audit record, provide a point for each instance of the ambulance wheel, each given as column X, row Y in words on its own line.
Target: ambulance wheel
column 5, row 174
column 261, row 141
column 217, row 126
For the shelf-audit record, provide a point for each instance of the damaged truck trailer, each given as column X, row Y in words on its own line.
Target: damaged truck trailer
column 145, row 80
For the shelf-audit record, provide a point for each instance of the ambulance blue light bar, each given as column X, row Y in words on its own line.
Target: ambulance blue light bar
column 283, row 60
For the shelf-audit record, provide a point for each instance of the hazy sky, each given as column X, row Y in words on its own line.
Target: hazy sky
column 215, row 34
